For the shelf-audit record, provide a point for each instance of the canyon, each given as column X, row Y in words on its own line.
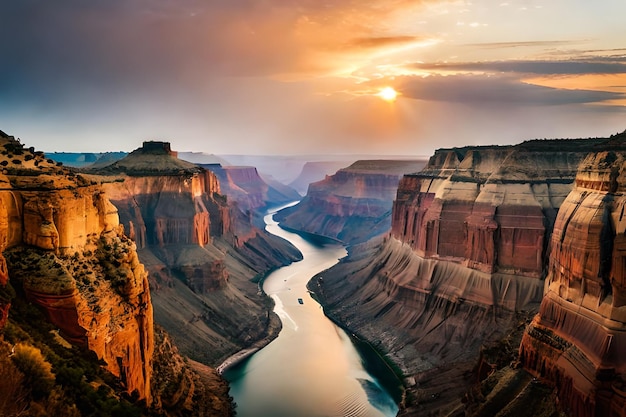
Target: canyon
column 201, row 250
column 253, row 194
column 463, row 270
column 352, row 205
column 109, row 253
column 490, row 277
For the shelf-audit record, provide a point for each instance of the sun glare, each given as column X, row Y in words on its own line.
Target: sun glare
column 388, row 94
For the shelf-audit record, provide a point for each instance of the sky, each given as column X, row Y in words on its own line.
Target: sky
column 304, row 76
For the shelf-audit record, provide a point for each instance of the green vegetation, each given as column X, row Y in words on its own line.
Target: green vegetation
column 40, row 377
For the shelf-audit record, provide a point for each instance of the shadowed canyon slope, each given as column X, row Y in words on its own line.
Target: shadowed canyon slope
column 244, row 185
column 201, row 251
column 466, row 256
column 352, row 205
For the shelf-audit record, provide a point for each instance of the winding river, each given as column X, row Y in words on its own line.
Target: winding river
column 312, row 369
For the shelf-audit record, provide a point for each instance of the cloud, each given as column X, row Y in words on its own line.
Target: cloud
column 500, row 91
column 383, row 41
column 536, row 67
column 522, row 44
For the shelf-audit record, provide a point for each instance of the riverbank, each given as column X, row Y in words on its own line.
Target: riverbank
column 273, row 330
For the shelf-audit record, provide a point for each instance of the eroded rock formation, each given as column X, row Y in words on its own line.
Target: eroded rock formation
column 490, row 208
column 578, row 339
column 466, row 251
column 244, row 185
column 352, row 205
column 201, row 251
column 317, row 171
column 65, row 249
column 166, row 202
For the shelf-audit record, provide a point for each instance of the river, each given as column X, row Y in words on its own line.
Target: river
column 312, row 368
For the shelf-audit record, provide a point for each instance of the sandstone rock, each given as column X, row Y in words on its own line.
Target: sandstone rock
column 353, row 204
column 577, row 340
column 316, row 171
column 244, row 185
column 466, row 251
column 201, row 251
column 64, row 247
column 488, row 208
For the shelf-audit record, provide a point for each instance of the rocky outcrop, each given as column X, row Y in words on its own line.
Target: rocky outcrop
column 164, row 202
column 186, row 387
column 244, row 185
column 317, row 171
column 352, row 205
column 201, row 251
column 488, row 208
column 577, row 340
column 66, row 251
column 466, row 251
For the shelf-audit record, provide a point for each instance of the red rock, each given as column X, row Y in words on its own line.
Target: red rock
column 577, row 340
column 490, row 209
column 353, row 204
column 52, row 223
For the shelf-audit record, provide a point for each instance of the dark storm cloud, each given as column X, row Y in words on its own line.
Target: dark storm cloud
column 501, row 91
column 570, row 67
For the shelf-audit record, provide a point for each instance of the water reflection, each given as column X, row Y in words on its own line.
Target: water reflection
column 312, row 368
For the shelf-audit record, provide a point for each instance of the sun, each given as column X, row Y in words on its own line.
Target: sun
column 388, row 94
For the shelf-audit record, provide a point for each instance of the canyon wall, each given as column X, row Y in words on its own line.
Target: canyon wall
column 244, row 185
column 491, row 208
column 317, row 171
column 466, row 256
column 203, row 253
column 352, row 205
column 64, row 248
column 578, row 339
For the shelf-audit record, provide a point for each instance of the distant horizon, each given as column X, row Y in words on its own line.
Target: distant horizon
column 334, row 155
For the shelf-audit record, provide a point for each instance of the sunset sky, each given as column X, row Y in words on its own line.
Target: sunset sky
column 304, row 76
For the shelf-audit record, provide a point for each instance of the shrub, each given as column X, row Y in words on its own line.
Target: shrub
column 36, row 369
column 13, row 395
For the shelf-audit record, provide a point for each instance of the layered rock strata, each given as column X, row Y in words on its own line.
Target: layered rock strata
column 316, row 171
column 466, row 251
column 352, row 205
column 244, row 185
column 578, row 339
column 201, row 251
column 66, row 250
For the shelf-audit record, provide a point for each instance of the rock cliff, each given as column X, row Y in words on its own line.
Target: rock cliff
column 317, row 171
column 244, row 185
column 352, row 205
column 64, row 248
column 465, row 254
column 578, row 339
column 201, row 251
